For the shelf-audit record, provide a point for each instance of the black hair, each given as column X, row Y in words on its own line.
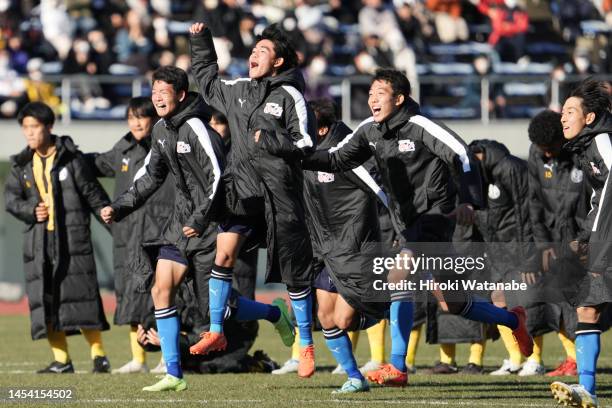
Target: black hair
column 545, row 128
column 282, row 46
column 325, row 112
column 173, row 76
column 39, row 111
column 141, row 107
column 219, row 117
column 594, row 96
column 398, row 81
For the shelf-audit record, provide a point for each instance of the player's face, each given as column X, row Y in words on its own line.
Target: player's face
column 551, row 151
column 221, row 128
column 36, row 133
column 263, row 61
column 140, row 126
column 382, row 102
column 573, row 118
column 165, row 98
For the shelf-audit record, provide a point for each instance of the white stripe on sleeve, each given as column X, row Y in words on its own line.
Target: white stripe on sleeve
column 604, row 147
column 302, row 113
column 204, row 138
column 348, row 137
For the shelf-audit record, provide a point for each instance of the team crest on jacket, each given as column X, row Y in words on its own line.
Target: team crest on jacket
column 325, row 177
column 273, row 109
column 405, row 145
column 63, row 174
column 494, row 192
column 576, row 175
column 182, row 147
column 595, row 169
column 125, row 163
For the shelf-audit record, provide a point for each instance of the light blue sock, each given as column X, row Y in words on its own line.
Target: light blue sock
column 219, row 288
column 301, row 303
column 251, row 310
column 400, row 319
column 168, row 326
column 587, row 353
column 480, row 310
column 341, row 348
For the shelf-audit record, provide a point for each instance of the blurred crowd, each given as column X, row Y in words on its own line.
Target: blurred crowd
column 338, row 38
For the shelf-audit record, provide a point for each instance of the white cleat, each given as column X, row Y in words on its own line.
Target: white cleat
column 531, row 368
column 132, row 367
column 159, row 368
column 338, row 370
column 290, row 366
column 574, row 395
column 507, row 368
column 369, row 366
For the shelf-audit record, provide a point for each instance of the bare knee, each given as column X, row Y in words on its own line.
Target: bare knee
column 588, row 314
column 326, row 318
column 343, row 321
column 160, row 295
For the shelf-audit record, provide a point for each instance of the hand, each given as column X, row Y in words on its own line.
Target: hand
column 464, row 214
column 196, row 28
column 257, row 134
column 153, row 337
column 530, row 278
column 190, row 232
column 548, row 255
column 141, row 335
column 581, row 249
column 107, row 214
column 41, row 212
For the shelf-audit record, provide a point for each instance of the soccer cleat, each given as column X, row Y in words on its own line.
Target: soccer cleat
column 306, row 365
column 353, row 385
column 210, row 341
column 290, row 366
column 573, row 395
column 101, row 365
column 338, row 370
column 444, row 368
column 160, row 368
column 283, row 326
column 167, row 383
column 531, row 367
column 387, row 374
column 507, row 368
column 369, row 366
column 568, row 367
column 131, row 367
column 472, row 369
column 521, row 334
column 57, row 368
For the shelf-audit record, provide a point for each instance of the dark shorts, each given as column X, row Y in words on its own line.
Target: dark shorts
column 595, row 289
column 324, row 282
column 238, row 225
column 172, row 253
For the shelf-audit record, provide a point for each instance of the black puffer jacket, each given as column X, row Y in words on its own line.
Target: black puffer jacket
column 343, row 220
column 417, row 160
column 75, row 302
column 264, row 179
column 594, row 149
column 185, row 146
column 144, row 225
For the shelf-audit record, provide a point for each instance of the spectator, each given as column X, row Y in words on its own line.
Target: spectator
column 19, row 57
column 101, row 55
column 509, row 25
column 450, row 26
column 57, row 25
column 131, row 44
column 37, row 90
column 414, row 24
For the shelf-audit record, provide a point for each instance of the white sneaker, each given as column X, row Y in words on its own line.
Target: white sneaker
column 573, row 395
column 338, row 370
column 132, row 367
column 369, row 366
column 507, row 368
column 290, row 366
column 160, row 368
column 531, row 368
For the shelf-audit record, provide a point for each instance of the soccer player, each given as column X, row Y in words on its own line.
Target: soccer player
column 53, row 191
column 343, row 220
column 587, row 125
column 558, row 206
column 143, row 225
column 414, row 156
column 263, row 180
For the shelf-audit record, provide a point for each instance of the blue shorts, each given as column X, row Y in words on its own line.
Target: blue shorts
column 237, row 225
column 324, row 282
column 171, row 253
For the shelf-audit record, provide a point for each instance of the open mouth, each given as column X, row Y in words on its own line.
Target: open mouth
column 253, row 65
column 376, row 110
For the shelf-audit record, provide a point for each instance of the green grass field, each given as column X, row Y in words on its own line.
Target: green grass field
column 20, row 357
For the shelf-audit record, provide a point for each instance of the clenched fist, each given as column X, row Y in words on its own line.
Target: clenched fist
column 107, row 214
column 41, row 212
column 196, row 28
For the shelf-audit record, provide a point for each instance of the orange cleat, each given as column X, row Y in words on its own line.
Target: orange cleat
column 210, row 341
column 388, row 375
column 568, row 367
column 306, row 366
column 521, row 334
